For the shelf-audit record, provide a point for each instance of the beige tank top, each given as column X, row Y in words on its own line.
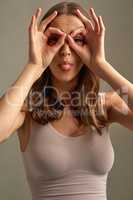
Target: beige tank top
column 60, row 167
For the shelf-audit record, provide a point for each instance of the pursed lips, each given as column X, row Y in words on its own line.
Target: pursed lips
column 66, row 65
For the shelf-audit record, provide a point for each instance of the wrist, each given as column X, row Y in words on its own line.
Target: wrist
column 34, row 69
column 98, row 63
column 101, row 68
column 33, row 64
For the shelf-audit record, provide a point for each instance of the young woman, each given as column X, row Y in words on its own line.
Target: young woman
column 62, row 119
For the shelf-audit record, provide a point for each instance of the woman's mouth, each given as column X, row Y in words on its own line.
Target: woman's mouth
column 66, row 66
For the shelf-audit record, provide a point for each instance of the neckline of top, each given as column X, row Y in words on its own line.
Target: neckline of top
column 70, row 137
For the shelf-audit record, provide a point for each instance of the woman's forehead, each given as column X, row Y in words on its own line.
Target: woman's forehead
column 67, row 23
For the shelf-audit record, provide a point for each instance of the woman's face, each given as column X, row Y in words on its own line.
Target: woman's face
column 65, row 73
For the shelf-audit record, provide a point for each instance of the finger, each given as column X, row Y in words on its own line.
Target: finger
column 31, row 27
column 102, row 26
column 87, row 22
column 90, row 24
column 95, row 19
column 46, row 21
column 73, row 44
column 60, row 42
column 53, row 30
column 37, row 16
column 79, row 31
column 31, row 23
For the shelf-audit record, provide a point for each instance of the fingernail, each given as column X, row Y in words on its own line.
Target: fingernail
column 55, row 12
column 78, row 10
column 39, row 9
column 92, row 9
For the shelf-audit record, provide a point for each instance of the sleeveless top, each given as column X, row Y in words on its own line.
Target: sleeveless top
column 60, row 167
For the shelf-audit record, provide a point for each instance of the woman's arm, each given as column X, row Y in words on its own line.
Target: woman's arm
column 120, row 84
column 12, row 101
column 119, row 101
column 117, row 110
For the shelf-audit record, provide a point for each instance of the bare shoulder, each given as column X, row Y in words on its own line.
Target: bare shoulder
column 109, row 95
column 22, row 133
column 108, row 98
column 118, row 110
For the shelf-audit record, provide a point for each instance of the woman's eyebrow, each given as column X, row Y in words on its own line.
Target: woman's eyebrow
column 76, row 29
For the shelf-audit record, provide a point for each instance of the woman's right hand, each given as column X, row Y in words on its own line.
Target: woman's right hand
column 40, row 52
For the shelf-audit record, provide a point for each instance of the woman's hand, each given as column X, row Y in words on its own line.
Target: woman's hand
column 40, row 52
column 92, row 51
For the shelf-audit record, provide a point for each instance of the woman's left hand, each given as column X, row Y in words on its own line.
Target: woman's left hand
column 93, row 50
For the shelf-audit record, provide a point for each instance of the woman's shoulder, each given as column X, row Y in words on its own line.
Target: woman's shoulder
column 23, row 132
column 107, row 96
column 104, row 104
column 26, row 121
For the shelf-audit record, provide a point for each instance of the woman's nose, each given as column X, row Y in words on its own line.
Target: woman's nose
column 65, row 49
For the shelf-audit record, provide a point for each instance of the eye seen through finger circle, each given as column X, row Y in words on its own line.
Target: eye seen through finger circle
column 80, row 39
column 53, row 39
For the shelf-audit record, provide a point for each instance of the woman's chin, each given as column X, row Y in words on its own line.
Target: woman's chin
column 64, row 75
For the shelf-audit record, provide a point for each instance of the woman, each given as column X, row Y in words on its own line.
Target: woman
column 63, row 132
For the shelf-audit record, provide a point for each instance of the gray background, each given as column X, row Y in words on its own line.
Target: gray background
column 14, row 22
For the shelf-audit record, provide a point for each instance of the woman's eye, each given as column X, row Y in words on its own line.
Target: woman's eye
column 80, row 40
column 52, row 40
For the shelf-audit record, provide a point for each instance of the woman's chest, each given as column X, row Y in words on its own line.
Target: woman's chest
column 50, row 152
column 66, row 126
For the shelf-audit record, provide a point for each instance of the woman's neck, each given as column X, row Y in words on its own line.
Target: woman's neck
column 63, row 88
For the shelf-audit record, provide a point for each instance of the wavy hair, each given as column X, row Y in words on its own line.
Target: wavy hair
column 43, row 103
